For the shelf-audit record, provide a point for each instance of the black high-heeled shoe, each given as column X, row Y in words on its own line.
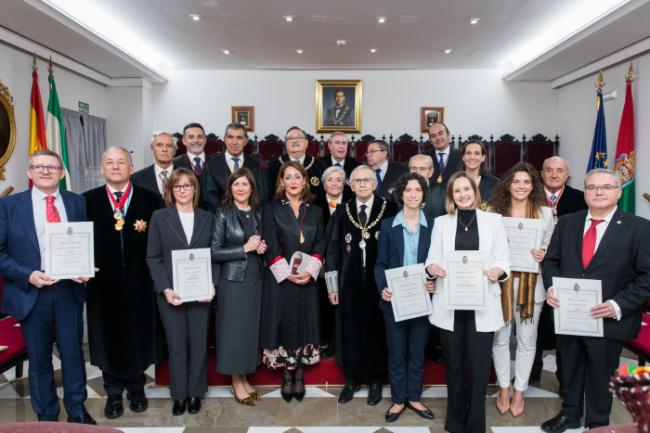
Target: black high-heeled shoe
column 299, row 385
column 287, row 386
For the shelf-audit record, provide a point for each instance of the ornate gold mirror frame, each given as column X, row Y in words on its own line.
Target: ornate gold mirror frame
column 7, row 127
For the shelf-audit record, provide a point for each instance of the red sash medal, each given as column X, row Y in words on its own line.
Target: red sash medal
column 119, row 206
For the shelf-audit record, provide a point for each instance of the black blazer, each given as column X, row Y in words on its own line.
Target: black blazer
column 621, row 262
column 486, row 188
column 571, row 200
column 228, row 239
column 451, row 167
column 166, row 234
column 348, row 165
column 146, row 178
column 216, row 175
column 393, row 173
column 391, row 252
column 182, row 161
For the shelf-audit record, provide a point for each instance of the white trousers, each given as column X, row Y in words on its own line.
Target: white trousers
column 525, row 354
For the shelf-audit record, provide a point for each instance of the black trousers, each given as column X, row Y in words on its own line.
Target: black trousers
column 587, row 364
column 467, row 359
column 116, row 385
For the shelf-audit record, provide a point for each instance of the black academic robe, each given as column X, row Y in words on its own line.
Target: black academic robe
column 349, row 164
column 451, row 167
column 571, row 200
column 435, row 204
column 361, row 342
column 314, row 174
column 123, row 332
column 486, row 188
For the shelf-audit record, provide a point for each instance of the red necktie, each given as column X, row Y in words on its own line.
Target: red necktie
column 589, row 243
column 51, row 211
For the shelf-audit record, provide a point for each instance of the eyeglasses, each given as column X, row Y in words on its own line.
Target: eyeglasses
column 295, row 138
column 40, row 168
column 370, row 152
column 365, row 180
column 606, row 188
column 183, row 187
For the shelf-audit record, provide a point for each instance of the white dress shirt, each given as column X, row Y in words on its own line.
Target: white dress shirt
column 40, row 216
column 334, row 162
column 368, row 205
column 384, row 169
column 445, row 155
column 231, row 163
column 301, row 160
column 191, row 157
column 158, row 169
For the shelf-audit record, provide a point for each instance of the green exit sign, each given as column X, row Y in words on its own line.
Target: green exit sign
column 84, row 107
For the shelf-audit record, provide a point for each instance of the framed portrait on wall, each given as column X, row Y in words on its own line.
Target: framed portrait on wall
column 429, row 116
column 244, row 115
column 7, row 127
column 338, row 105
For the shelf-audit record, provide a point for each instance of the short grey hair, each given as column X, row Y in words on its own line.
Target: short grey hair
column 603, row 171
column 331, row 170
column 237, row 127
column 155, row 136
column 422, row 156
column 117, row 148
column 381, row 143
column 337, row 134
column 566, row 163
column 44, row 152
column 359, row 168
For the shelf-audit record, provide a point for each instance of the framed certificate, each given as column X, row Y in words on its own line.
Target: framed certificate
column 577, row 296
column 524, row 234
column 465, row 284
column 69, row 250
column 410, row 297
column 192, row 274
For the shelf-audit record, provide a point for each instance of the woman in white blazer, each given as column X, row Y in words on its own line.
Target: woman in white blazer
column 467, row 335
column 520, row 194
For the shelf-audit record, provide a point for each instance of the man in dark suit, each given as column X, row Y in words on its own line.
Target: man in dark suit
column 445, row 159
column 338, row 145
column 562, row 199
column 220, row 167
column 296, row 144
column 40, row 303
column 123, row 334
column 602, row 243
column 435, row 204
column 386, row 172
column 341, row 114
column 154, row 177
column 195, row 158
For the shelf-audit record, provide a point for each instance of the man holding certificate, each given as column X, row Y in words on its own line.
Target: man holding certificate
column 613, row 248
column 39, row 302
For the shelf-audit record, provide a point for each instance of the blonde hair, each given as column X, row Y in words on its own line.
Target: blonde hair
column 450, row 205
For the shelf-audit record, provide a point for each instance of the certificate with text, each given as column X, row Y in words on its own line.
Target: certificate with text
column 577, row 297
column 192, row 274
column 69, row 250
column 524, row 234
column 410, row 298
column 465, row 285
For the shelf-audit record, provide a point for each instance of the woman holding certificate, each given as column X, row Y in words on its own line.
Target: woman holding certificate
column 473, row 159
column 519, row 197
column 468, row 256
column 238, row 248
column 403, row 241
column 293, row 230
column 181, row 226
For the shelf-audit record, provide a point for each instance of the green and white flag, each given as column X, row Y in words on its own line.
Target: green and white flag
column 55, row 132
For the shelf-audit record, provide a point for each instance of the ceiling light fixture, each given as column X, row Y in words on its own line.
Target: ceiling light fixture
column 226, row 52
column 341, row 42
column 381, row 20
column 195, row 17
column 288, row 18
column 373, row 50
column 474, row 20
column 299, row 51
column 448, row 51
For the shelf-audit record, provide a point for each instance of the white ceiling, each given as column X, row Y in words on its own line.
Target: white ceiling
column 414, row 37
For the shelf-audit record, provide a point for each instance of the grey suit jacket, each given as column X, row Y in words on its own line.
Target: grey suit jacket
column 166, row 234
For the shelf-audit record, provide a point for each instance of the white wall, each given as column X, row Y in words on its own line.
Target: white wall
column 475, row 101
column 577, row 117
column 16, row 73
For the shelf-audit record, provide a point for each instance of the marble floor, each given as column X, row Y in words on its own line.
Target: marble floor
column 319, row 412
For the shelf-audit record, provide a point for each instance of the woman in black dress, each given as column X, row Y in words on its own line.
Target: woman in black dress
column 237, row 248
column 473, row 160
column 290, row 317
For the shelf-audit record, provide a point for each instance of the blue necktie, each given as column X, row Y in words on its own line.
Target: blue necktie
column 235, row 164
column 338, row 164
column 378, row 176
column 197, row 166
column 441, row 161
column 553, row 198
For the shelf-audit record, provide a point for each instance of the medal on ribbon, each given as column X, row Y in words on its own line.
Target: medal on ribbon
column 118, row 214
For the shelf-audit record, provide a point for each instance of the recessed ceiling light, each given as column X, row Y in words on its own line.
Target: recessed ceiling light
column 288, row 18
column 448, row 51
column 381, row 20
column 373, row 50
column 195, row 17
column 340, row 42
column 299, row 51
column 226, row 52
column 474, row 20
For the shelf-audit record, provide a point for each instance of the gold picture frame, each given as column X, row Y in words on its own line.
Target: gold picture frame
column 430, row 115
column 244, row 115
column 338, row 105
column 7, row 127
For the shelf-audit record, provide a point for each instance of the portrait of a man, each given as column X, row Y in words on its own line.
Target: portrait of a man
column 338, row 105
column 340, row 113
column 429, row 116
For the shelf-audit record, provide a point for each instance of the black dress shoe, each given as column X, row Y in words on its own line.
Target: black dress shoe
column 83, row 419
column 559, row 423
column 113, row 408
column 139, row 402
column 424, row 413
column 393, row 416
column 194, row 405
column 179, row 407
column 347, row 393
column 374, row 394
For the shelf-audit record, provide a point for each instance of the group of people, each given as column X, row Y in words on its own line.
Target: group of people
column 354, row 221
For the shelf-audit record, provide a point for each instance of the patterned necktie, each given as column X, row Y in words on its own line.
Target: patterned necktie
column 197, row 166
column 363, row 216
column 163, row 176
column 589, row 243
column 553, row 198
column 378, row 176
column 441, row 161
column 235, row 164
column 52, row 213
